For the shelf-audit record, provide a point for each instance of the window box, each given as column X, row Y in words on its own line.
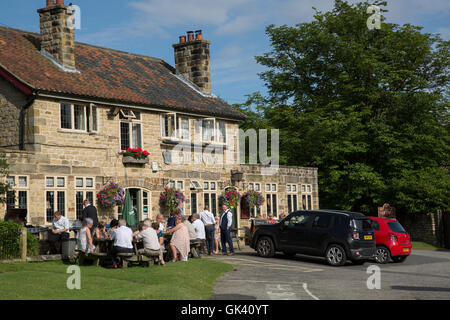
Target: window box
column 126, row 160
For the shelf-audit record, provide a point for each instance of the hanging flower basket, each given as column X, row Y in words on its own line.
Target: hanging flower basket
column 230, row 198
column 110, row 195
column 170, row 198
column 253, row 199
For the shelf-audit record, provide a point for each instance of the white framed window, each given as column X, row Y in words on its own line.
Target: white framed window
column 174, row 184
column 221, row 129
column 168, row 125
column 210, row 196
column 254, row 186
column 292, row 197
column 131, row 131
column 18, row 196
column 55, row 196
column 195, row 185
column 208, row 129
column 271, row 199
column 183, row 128
column 78, row 117
column 83, row 190
column 307, row 200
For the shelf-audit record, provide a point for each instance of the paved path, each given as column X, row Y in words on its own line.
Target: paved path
column 424, row 275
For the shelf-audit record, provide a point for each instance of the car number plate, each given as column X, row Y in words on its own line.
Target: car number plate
column 367, row 237
column 406, row 250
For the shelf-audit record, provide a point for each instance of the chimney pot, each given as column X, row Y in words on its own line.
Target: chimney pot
column 50, row 3
column 190, row 35
column 60, row 2
column 182, row 39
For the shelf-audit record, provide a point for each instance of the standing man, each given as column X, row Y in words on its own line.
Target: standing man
column 209, row 221
column 60, row 231
column 226, row 220
column 90, row 212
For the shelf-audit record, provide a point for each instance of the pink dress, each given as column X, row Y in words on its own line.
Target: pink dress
column 180, row 239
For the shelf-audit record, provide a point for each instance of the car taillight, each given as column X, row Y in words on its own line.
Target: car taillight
column 393, row 237
column 354, row 235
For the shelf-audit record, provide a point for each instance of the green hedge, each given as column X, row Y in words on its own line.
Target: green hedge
column 10, row 241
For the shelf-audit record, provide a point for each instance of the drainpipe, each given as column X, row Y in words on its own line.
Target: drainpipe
column 22, row 121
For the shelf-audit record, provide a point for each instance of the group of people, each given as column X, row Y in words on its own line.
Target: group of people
column 202, row 227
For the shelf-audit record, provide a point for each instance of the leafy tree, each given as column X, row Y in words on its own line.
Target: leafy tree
column 369, row 108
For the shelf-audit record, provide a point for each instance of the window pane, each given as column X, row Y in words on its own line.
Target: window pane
column 308, row 188
column 50, row 182
column 124, row 136
column 206, row 199
column 309, row 203
column 10, row 181
column 288, row 188
column 62, row 203
column 11, row 199
column 294, row 200
column 268, row 204
column 193, row 203
column 184, row 130
column 250, row 186
column 303, row 188
column 169, row 125
column 66, row 116
column 94, row 119
column 180, row 185
column 289, row 201
column 89, row 182
column 208, row 130
column 137, row 139
column 205, row 185
column 79, row 204
column 23, row 182
column 61, row 182
column 137, row 115
column 22, row 200
column 257, row 187
column 50, row 202
column 172, row 184
column 294, row 188
column 90, row 196
column 274, row 187
column 79, row 117
column 213, row 207
column 303, row 202
column 79, row 182
column 274, row 205
column 221, row 128
column 267, row 187
column 213, row 186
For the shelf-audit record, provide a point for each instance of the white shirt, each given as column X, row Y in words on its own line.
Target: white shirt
column 229, row 216
column 123, row 237
column 207, row 217
column 199, row 229
column 150, row 239
column 62, row 223
column 191, row 230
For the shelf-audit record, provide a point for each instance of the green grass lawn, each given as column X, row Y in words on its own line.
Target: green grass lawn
column 47, row 280
column 419, row 245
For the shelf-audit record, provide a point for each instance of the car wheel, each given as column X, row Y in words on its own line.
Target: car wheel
column 335, row 255
column 265, row 247
column 289, row 253
column 399, row 259
column 382, row 255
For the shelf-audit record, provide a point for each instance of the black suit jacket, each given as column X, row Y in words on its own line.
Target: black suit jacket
column 91, row 212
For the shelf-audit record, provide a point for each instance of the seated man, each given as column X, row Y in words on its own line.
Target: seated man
column 123, row 242
column 190, row 228
column 60, row 231
column 151, row 243
column 271, row 219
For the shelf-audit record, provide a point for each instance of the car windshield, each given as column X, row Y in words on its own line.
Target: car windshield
column 361, row 224
column 396, row 227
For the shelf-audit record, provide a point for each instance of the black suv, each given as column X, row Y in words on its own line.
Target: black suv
column 333, row 234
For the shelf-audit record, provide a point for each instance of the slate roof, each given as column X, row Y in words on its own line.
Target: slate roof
column 107, row 75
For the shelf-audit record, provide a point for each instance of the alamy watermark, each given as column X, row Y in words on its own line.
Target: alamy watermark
column 74, row 281
column 374, row 21
column 374, row 280
column 74, row 17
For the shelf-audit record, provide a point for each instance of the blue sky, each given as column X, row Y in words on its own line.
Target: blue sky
column 236, row 28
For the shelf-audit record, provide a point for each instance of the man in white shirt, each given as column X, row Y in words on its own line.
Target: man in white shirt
column 191, row 230
column 209, row 221
column 199, row 227
column 123, row 242
column 59, row 231
column 151, row 243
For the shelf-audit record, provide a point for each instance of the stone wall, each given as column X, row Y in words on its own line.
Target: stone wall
column 424, row 227
column 11, row 101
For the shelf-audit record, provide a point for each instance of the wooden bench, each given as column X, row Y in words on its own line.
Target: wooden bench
column 127, row 258
column 94, row 256
column 196, row 245
column 148, row 259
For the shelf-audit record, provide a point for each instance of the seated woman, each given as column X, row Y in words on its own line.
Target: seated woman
column 180, row 240
column 85, row 238
column 160, row 234
column 100, row 232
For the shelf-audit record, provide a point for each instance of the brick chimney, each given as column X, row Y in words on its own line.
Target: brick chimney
column 57, row 39
column 192, row 60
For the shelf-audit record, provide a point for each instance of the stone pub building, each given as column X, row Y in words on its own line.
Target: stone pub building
column 68, row 109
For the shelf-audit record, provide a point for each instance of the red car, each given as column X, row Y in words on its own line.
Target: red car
column 392, row 240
